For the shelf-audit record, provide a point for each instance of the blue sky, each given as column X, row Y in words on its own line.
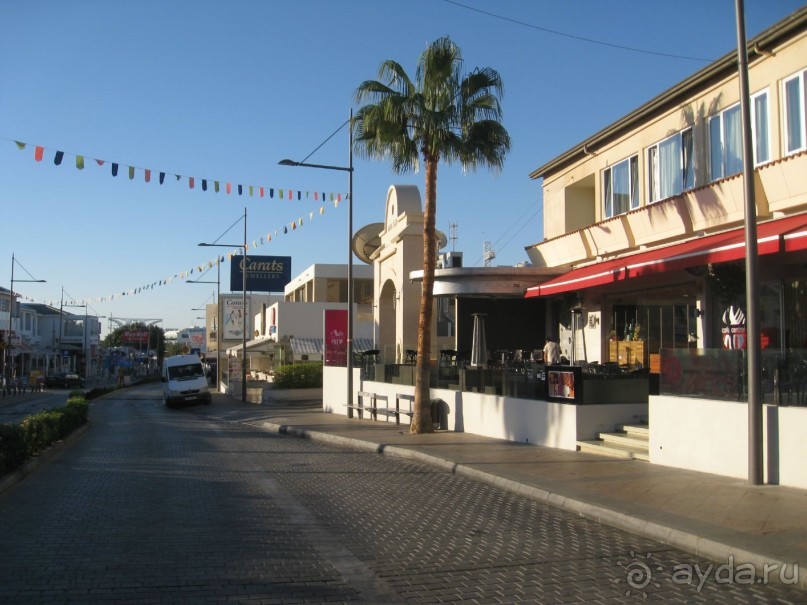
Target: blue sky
column 224, row 90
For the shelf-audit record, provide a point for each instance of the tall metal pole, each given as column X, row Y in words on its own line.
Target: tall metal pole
column 218, row 320
column 350, row 269
column 349, row 169
column 753, row 347
column 10, row 357
column 87, row 349
column 244, row 317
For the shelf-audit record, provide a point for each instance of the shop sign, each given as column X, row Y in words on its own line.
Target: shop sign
column 561, row 384
column 734, row 331
column 335, row 337
column 135, row 337
column 234, row 369
column 234, row 315
column 264, row 273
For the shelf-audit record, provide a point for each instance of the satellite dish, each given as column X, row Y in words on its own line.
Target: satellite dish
column 366, row 241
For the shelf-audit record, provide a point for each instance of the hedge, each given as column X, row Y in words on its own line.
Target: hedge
column 19, row 442
column 298, row 376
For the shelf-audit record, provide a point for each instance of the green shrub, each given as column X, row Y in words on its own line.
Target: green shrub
column 41, row 429
column 299, row 376
column 77, row 410
column 13, row 451
column 18, row 442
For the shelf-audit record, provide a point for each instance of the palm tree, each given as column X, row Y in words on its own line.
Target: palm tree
column 442, row 115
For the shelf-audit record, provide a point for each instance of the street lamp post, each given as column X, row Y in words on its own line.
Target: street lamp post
column 85, row 344
column 244, row 308
column 218, row 314
column 11, row 309
column 349, row 170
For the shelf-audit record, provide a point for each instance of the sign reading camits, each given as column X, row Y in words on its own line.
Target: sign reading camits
column 264, row 273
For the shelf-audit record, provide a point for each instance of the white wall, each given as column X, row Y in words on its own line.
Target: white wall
column 530, row 421
column 712, row 436
column 306, row 320
column 334, row 389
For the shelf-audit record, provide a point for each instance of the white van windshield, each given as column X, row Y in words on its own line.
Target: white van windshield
column 191, row 370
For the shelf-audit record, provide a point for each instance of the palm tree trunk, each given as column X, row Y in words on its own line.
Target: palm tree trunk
column 422, row 420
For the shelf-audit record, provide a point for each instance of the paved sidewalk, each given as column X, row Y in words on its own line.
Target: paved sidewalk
column 720, row 518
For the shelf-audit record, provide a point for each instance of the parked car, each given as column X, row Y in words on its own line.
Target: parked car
column 64, row 380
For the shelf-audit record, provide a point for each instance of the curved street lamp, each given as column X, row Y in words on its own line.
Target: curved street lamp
column 244, row 305
column 11, row 309
column 349, row 170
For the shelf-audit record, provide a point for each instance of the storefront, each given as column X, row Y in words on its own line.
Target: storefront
column 689, row 296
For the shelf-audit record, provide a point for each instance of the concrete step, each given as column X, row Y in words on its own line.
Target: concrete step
column 635, row 429
column 633, row 440
column 614, row 450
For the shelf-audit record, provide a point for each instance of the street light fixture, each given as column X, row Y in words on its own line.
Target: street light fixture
column 218, row 313
column 349, row 170
column 84, row 346
column 14, row 261
column 243, row 304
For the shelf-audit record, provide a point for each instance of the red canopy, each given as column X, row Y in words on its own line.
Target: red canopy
column 779, row 235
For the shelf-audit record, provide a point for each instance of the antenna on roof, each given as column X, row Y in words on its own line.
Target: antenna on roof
column 452, row 233
column 488, row 254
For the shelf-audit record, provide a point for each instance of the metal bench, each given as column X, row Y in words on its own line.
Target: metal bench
column 365, row 402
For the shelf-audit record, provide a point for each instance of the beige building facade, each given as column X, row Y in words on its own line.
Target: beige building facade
column 644, row 225
column 637, row 216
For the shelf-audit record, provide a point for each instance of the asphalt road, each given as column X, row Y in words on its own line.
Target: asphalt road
column 13, row 408
column 154, row 505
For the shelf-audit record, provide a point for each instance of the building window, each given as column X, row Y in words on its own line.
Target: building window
column 363, row 291
column 725, row 143
column 760, row 127
column 620, row 187
column 795, row 113
column 670, row 166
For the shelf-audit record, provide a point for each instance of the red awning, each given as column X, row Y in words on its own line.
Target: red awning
column 785, row 234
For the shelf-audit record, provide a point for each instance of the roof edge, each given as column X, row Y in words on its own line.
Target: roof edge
column 719, row 69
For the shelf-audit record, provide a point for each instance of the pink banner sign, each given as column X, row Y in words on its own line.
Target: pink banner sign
column 335, row 338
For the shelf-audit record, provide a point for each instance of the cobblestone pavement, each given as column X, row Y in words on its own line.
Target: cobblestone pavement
column 154, row 505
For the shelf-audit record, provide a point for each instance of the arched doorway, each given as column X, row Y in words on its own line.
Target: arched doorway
column 388, row 343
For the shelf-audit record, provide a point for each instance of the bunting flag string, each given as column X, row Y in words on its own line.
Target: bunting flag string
column 205, row 266
column 318, row 196
column 58, row 158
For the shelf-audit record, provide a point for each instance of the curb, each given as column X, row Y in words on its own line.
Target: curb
column 714, row 550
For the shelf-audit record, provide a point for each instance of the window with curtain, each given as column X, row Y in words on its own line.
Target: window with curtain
column 620, row 187
column 670, row 166
column 795, row 113
column 725, row 143
column 759, row 127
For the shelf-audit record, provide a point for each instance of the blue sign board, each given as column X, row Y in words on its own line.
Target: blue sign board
column 264, row 273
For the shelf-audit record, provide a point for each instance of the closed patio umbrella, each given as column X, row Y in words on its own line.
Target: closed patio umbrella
column 479, row 347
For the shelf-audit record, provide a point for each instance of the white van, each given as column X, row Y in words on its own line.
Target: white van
column 184, row 380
